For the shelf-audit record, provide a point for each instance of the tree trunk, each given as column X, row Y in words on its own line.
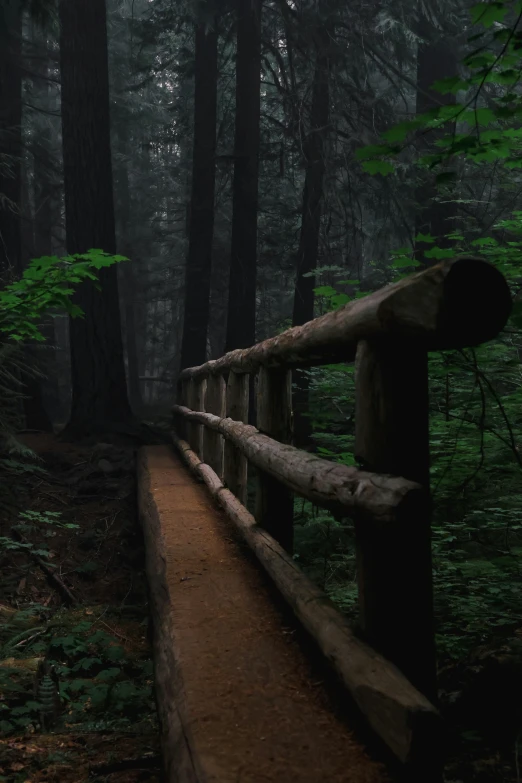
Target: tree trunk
column 10, row 137
column 241, row 323
column 127, row 272
column 201, row 224
column 307, row 253
column 131, row 344
column 99, row 389
column 436, row 59
column 37, row 354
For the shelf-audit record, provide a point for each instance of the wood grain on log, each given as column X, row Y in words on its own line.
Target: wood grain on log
column 177, row 745
column 196, row 392
column 212, row 440
column 395, row 568
column 182, row 398
column 274, row 501
column 236, row 464
column 460, row 302
column 381, row 499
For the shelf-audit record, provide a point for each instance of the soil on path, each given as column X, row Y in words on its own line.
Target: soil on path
column 253, row 708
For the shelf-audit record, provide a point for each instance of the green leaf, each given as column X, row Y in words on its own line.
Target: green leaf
column 372, row 150
column 484, row 241
column 512, row 133
column 428, row 238
column 482, row 60
column 452, row 84
column 108, row 674
column 114, row 653
column 325, row 290
column 439, row 252
column 400, row 131
column 507, row 76
column 487, row 14
column 513, row 163
column 480, row 116
column 404, row 261
column 339, row 300
column 492, row 154
column 378, row 167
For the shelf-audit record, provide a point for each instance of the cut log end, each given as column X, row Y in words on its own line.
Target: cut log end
column 476, row 304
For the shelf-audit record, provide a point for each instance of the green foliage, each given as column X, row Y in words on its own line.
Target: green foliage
column 475, row 431
column 99, row 682
column 475, row 132
column 46, row 285
column 30, row 522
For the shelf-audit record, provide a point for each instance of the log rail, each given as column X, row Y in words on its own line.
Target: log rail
column 457, row 303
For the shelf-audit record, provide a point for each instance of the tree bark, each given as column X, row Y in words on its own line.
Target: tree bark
column 42, row 354
column 10, row 138
column 201, row 222
column 436, row 59
column 382, row 502
column 99, row 391
column 307, row 253
column 127, row 272
column 241, row 322
column 457, row 303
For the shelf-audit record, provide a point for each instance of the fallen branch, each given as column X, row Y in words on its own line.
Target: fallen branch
column 55, row 581
column 107, row 768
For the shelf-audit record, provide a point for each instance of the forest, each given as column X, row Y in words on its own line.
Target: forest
column 183, row 178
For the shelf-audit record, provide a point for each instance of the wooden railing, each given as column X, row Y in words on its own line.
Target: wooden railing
column 458, row 303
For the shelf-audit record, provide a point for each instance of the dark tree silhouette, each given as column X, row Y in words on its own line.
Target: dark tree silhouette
column 10, row 136
column 307, row 253
column 99, row 389
column 241, row 323
column 201, row 220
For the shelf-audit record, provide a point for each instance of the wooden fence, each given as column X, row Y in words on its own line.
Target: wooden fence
column 458, row 303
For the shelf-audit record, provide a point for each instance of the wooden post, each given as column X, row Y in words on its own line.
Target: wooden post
column 274, row 502
column 196, row 403
column 394, row 566
column 181, row 399
column 236, row 465
column 212, row 440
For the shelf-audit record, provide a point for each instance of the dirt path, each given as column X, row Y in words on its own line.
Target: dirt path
column 252, row 712
column 105, row 726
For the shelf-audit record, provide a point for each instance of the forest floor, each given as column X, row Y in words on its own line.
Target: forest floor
column 72, row 588
column 75, row 510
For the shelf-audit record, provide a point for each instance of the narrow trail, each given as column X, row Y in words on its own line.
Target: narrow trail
column 247, row 707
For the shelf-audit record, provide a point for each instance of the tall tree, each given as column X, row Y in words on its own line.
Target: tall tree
column 307, row 253
column 125, row 234
column 99, row 391
column 201, row 219
column 43, row 355
column 10, row 136
column 241, row 321
column 436, row 59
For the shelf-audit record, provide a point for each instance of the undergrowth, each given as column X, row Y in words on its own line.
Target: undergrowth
column 102, row 686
